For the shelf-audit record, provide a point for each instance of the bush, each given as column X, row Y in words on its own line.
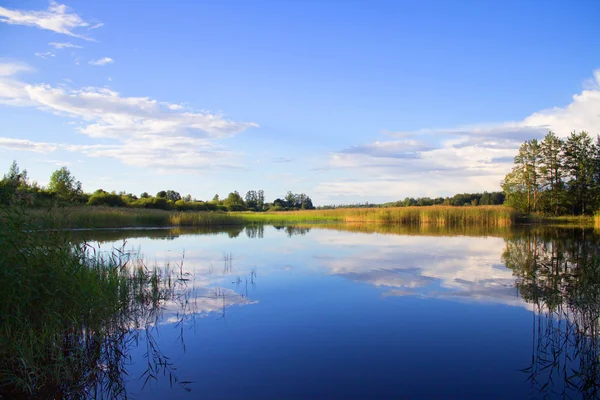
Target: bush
column 235, row 207
column 106, row 199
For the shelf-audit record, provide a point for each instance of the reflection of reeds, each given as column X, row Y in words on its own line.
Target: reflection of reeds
column 561, row 278
column 69, row 314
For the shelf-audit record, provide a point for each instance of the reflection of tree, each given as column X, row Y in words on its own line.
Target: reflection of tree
column 255, row 231
column 559, row 274
column 292, row 230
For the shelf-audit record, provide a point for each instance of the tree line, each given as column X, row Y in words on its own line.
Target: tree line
column 16, row 189
column 556, row 176
column 460, row 199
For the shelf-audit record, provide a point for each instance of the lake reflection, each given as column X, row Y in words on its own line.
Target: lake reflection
column 375, row 312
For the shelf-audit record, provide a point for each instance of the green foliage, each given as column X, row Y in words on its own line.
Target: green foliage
column 102, row 198
column 64, row 313
column 63, row 185
column 556, row 176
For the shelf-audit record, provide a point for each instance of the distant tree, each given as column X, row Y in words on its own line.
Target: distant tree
column 172, row 195
column 144, row 195
column 162, row 194
column 64, row 185
column 260, row 201
column 216, row 198
column 187, row 198
column 233, row 199
column 15, row 188
column 252, row 199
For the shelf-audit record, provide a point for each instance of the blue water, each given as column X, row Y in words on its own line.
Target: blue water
column 331, row 314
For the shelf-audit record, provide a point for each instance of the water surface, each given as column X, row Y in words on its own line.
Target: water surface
column 321, row 313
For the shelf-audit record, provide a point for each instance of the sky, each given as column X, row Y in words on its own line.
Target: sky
column 346, row 101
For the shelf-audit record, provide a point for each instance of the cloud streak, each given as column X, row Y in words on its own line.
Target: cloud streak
column 139, row 131
column 64, row 45
column 102, row 61
column 444, row 161
column 56, row 19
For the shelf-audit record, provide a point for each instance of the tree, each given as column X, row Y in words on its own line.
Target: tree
column 162, row 194
column 578, row 166
column 251, row 199
column 551, row 170
column 260, row 201
column 528, row 161
column 64, row 185
column 233, row 198
column 14, row 187
column 144, row 195
column 172, row 195
column 515, row 190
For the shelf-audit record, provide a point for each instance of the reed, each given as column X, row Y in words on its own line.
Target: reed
column 106, row 217
column 597, row 220
column 67, row 313
column 432, row 215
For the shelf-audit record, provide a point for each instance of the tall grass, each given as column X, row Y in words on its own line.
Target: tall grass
column 433, row 215
column 597, row 220
column 106, row 217
column 67, row 313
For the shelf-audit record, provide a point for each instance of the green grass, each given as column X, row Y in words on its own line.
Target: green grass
column 67, row 313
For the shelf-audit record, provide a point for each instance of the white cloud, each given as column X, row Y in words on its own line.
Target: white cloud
column 26, row 145
column 56, row 18
column 96, row 26
column 12, row 68
column 65, row 45
column 45, row 55
column 102, row 61
column 139, row 131
column 472, row 158
column 456, row 267
column 12, row 91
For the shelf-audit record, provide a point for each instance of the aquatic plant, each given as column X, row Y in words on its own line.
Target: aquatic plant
column 69, row 314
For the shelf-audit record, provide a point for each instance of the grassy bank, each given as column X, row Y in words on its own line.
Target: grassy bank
column 432, row 215
column 105, row 217
column 68, row 315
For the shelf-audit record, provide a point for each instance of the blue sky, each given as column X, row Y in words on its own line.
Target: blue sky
column 347, row 101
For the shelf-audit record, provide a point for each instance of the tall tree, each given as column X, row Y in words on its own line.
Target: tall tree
column 64, row 185
column 551, row 170
column 578, row 165
column 528, row 162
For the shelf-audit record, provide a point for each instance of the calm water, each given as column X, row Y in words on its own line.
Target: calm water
column 292, row 313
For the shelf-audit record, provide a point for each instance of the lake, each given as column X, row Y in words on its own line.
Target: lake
column 346, row 312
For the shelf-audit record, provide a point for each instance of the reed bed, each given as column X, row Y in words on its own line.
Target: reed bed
column 597, row 220
column 106, row 217
column 432, row 215
column 67, row 314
